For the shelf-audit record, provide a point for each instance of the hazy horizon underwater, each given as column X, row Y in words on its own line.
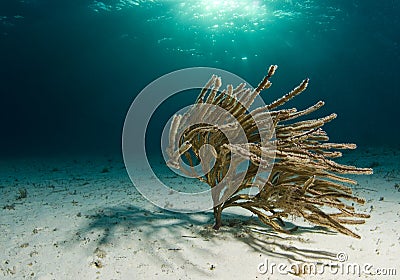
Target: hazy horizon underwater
column 69, row 73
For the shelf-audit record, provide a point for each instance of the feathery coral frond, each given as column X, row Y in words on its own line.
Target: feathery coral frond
column 304, row 181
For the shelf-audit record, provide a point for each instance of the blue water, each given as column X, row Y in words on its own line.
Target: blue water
column 69, row 70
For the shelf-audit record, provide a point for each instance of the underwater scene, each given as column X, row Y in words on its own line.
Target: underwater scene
column 208, row 139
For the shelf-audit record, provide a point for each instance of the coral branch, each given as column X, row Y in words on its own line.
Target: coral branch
column 304, row 181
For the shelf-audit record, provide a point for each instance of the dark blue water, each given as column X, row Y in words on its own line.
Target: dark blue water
column 69, row 70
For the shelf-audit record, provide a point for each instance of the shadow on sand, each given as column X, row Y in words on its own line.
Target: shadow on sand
column 153, row 223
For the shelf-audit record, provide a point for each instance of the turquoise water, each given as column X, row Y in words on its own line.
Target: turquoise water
column 69, row 72
column 70, row 69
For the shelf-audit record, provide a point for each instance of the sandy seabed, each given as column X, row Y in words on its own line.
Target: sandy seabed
column 82, row 218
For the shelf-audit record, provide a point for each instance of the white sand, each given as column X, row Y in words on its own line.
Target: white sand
column 79, row 223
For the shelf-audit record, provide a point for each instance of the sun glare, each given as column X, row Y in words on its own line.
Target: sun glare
column 217, row 14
